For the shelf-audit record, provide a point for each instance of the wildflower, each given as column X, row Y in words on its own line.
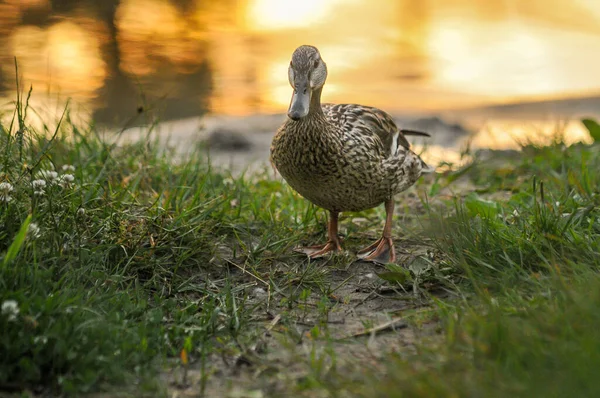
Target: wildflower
column 38, row 184
column 68, row 167
column 40, row 340
column 65, row 180
column 38, row 187
column 5, row 189
column 11, row 309
column 49, row 175
column 33, row 231
column 81, row 212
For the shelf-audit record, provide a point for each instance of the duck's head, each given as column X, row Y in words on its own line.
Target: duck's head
column 307, row 74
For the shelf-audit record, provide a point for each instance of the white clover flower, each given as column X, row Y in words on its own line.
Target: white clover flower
column 81, row 212
column 38, row 184
column 49, row 175
column 40, row 340
column 33, row 231
column 68, row 167
column 66, row 180
column 38, row 187
column 5, row 189
column 11, row 309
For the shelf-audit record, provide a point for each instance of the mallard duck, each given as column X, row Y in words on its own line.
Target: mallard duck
column 343, row 157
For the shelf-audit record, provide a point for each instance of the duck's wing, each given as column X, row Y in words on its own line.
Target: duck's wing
column 371, row 123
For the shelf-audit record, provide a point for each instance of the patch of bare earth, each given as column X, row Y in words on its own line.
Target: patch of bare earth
column 354, row 324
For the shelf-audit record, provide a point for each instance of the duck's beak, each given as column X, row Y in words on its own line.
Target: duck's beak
column 300, row 101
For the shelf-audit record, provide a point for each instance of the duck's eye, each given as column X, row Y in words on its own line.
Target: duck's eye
column 316, row 63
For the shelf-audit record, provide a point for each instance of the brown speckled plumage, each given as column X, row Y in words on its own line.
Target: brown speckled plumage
column 343, row 157
column 342, row 160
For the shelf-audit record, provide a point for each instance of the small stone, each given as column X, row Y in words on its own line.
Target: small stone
column 228, row 140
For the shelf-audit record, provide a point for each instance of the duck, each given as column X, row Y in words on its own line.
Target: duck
column 342, row 157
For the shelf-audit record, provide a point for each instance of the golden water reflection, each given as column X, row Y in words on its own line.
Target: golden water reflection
column 230, row 57
column 504, row 135
column 65, row 57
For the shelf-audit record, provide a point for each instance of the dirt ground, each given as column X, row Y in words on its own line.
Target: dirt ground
column 364, row 321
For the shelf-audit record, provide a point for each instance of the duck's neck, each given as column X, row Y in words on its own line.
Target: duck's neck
column 315, row 110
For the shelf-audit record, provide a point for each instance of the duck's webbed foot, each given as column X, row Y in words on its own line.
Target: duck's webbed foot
column 333, row 241
column 382, row 251
column 320, row 250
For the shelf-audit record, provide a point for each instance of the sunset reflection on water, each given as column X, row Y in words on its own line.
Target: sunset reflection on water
column 231, row 57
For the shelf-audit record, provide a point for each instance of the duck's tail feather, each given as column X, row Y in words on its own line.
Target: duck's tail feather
column 414, row 132
column 425, row 168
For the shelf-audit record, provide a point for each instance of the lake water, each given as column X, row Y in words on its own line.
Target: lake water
column 182, row 59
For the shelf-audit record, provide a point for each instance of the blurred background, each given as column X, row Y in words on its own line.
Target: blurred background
column 501, row 69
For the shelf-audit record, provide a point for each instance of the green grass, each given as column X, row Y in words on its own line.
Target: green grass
column 106, row 279
column 128, row 262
